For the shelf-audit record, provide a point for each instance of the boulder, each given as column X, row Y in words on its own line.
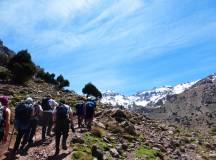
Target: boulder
column 119, row 115
column 131, row 130
column 97, row 153
column 114, row 153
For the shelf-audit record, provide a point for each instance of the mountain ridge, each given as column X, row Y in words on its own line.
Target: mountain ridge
column 148, row 98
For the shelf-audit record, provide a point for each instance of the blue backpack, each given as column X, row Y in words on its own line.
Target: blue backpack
column 90, row 104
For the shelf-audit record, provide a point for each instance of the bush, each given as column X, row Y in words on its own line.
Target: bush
column 22, row 67
column 5, row 74
column 4, row 59
column 98, row 132
column 62, row 82
column 90, row 89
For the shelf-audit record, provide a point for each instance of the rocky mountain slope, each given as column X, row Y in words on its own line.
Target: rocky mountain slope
column 147, row 99
column 195, row 107
column 121, row 133
column 118, row 134
column 5, row 50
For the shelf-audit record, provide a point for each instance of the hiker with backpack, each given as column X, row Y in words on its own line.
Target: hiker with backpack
column 80, row 111
column 90, row 107
column 48, row 105
column 5, row 114
column 36, row 112
column 62, row 117
column 23, row 114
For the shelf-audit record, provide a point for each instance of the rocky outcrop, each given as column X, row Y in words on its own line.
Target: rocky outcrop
column 195, row 107
column 5, row 50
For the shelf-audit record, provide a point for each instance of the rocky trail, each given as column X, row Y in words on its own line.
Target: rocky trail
column 119, row 134
column 39, row 150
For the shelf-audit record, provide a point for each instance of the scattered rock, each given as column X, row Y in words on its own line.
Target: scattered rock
column 212, row 155
column 97, row 153
column 124, row 146
column 131, row 130
column 106, row 140
column 119, row 115
column 192, row 146
column 114, row 153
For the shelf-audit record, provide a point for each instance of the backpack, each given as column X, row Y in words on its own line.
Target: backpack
column 36, row 108
column 23, row 111
column 45, row 104
column 62, row 112
column 90, row 104
column 80, row 108
column 2, row 118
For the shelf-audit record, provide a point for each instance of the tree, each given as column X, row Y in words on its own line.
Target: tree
column 22, row 67
column 62, row 82
column 90, row 89
column 60, row 78
column 3, row 59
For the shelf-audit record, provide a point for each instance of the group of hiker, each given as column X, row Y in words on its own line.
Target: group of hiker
column 53, row 116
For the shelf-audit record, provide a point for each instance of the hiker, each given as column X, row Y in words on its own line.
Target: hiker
column 90, row 106
column 80, row 111
column 23, row 114
column 5, row 114
column 62, row 116
column 36, row 112
column 48, row 105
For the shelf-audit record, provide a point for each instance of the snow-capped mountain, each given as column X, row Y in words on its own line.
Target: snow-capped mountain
column 150, row 98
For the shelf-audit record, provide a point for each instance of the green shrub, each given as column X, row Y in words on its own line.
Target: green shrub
column 90, row 89
column 99, row 132
column 91, row 139
column 79, row 155
column 62, row 82
column 4, row 59
column 22, row 67
column 145, row 151
column 5, row 74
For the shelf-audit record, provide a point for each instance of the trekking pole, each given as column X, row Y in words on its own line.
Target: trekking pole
column 10, row 138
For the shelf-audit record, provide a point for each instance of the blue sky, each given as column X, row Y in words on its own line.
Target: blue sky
column 122, row 45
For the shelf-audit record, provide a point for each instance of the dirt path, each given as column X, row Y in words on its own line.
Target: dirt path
column 39, row 150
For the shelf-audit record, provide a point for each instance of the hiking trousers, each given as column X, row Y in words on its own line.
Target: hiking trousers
column 62, row 129
column 80, row 120
column 32, row 129
column 47, row 123
column 89, row 117
column 22, row 133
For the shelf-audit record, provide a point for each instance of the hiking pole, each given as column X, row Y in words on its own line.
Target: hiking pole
column 10, row 138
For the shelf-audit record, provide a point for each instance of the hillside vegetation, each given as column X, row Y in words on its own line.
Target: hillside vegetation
column 116, row 133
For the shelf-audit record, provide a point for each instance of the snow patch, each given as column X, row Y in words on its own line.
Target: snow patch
column 147, row 98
